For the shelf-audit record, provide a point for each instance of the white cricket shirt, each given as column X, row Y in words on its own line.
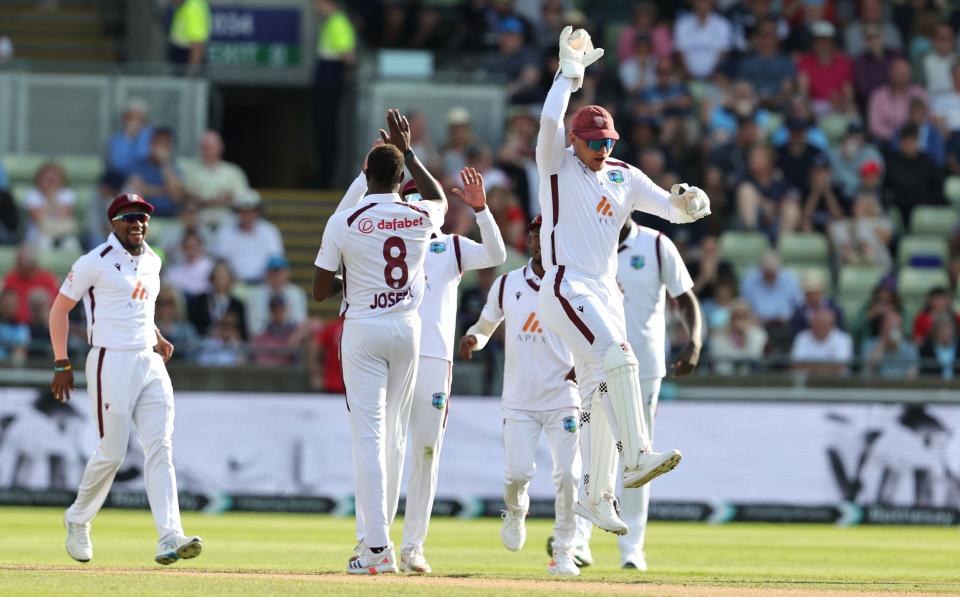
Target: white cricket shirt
column 650, row 266
column 119, row 293
column 536, row 359
column 381, row 245
column 584, row 210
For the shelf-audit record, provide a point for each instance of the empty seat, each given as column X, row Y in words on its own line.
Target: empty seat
column 913, row 284
column 855, row 284
column 21, row 167
column 82, row 168
column 933, row 220
column 804, row 248
column 743, row 249
column 922, row 246
column 951, row 190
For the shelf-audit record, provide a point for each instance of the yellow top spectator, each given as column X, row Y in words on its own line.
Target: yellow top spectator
column 336, row 37
column 191, row 23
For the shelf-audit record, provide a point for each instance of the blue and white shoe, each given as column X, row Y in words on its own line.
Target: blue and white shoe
column 371, row 562
column 178, row 547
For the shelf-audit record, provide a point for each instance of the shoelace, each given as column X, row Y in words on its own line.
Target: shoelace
column 606, row 495
column 80, row 534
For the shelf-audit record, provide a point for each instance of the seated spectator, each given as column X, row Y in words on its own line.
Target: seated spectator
column 889, row 105
column 131, row 144
column 9, row 212
column 889, row 354
column 644, row 23
column 97, row 223
column 14, row 334
column 323, row 358
column 223, row 347
column 848, row 157
column 772, row 292
column 191, row 275
column 800, row 110
column 729, row 161
column 930, row 139
column 822, row 203
column 867, row 322
column 459, row 138
column 946, row 104
column 205, row 310
column 718, row 304
column 863, row 238
column 212, row 181
column 156, row 177
column 722, row 114
column 938, row 63
column 871, row 69
column 277, row 344
column 25, row 278
column 188, row 220
column 748, row 17
column 278, row 283
column 802, row 17
column 173, row 325
column 938, row 354
column 871, row 17
column 795, row 158
column 769, row 71
column 39, row 303
column 516, row 62
column 703, row 38
column 871, row 179
column 764, row 200
column 517, row 158
column 814, row 299
column 823, row 349
column 421, row 141
column 49, row 205
column 938, row 303
column 639, row 71
column 667, row 98
column 826, row 74
column 738, row 347
column 912, row 177
column 249, row 242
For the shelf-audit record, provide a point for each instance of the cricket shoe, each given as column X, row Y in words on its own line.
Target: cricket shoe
column 371, row 562
column 562, row 563
column 582, row 556
column 178, row 547
column 635, row 561
column 413, row 561
column 605, row 515
column 79, row 545
column 513, row 533
column 357, row 550
column 651, row 466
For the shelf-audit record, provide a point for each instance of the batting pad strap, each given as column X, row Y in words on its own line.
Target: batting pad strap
column 623, row 388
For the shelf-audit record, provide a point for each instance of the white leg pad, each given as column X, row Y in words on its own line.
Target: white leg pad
column 602, row 466
column 623, row 391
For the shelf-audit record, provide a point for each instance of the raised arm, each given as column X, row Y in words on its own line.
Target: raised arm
column 490, row 252
column 429, row 187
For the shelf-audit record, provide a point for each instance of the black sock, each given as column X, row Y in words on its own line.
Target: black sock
column 378, row 549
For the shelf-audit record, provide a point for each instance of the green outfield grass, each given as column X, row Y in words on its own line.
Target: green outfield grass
column 286, row 554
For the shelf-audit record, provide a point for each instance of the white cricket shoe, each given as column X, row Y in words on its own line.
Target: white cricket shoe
column 635, row 561
column 177, row 547
column 79, row 545
column 357, row 550
column 513, row 533
column 605, row 515
column 562, row 563
column 651, row 466
column 370, row 562
column 582, row 556
column 413, row 561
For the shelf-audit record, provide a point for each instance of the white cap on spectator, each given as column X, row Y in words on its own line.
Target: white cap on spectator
column 248, row 199
column 823, row 29
column 136, row 104
column 458, row 116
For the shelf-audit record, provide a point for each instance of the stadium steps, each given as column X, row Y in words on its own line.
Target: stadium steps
column 301, row 217
column 64, row 31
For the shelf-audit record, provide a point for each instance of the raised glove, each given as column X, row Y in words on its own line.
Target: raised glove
column 576, row 54
column 691, row 202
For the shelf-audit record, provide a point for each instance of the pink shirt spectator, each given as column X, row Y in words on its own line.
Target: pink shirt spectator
column 827, row 81
column 660, row 40
column 887, row 111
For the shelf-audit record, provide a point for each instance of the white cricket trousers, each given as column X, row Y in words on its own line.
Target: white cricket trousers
column 634, row 503
column 130, row 387
column 379, row 357
column 428, row 422
column 521, row 434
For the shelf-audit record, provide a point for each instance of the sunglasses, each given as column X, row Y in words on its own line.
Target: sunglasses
column 599, row 144
column 133, row 216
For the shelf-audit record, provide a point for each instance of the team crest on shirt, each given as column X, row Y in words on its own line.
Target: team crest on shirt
column 615, row 176
column 570, row 424
column 637, row 261
column 438, row 247
column 439, row 401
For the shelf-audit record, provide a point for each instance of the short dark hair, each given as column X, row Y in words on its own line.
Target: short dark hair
column 162, row 131
column 385, row 165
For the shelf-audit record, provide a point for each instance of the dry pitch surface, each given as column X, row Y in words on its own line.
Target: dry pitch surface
column 278, row 554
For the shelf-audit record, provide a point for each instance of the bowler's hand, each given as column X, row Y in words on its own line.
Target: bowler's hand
column 472, row 192
column 399, row 128
column 62, row 382
column 467, row 344
column 164, row 347
column 688, row 360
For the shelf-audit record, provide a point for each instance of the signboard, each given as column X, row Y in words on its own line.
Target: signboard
column 243, row 36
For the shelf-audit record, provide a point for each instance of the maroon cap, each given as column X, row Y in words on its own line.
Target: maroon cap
column 409, row 188
column 535, row 223
column 591, row 123
column 124, row 199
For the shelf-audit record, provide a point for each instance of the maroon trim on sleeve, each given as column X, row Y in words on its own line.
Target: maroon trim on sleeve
column 656, row 249
column 416, row 209
column 346, row 398
column 555, row 194
column 503, row 282
column 357, row 213
column 456, row 250
column 615, row 163
column 93, row 314
column 104, row 252
column 568, row 308
column 103, row 351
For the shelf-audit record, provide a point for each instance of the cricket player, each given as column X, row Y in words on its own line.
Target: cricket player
column 449, row 256
column 381, row 247
column 537, row 398
column 127, row 381
column 649, row 268
column 585, row 198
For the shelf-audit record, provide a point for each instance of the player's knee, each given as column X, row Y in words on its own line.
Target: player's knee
column 619, row 354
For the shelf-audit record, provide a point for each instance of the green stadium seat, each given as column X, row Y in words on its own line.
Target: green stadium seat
column 951, row 190
column 913, row 284
column 803, row 248
column 933, row 220
column 82, row 168
column 160, row 231
column 58, row 261
column 20, row 190
column 914, row 245
column 834, row 126
column 743, row 249
column 855, row 284
column 21, row 167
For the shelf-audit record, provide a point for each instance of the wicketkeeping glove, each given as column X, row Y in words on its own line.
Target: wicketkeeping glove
column 691, row 202
column 576, row 54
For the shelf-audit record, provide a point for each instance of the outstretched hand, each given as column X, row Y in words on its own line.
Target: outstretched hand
column 688, row 360
column 467, row 345
column 472, row 192
column 399, row 128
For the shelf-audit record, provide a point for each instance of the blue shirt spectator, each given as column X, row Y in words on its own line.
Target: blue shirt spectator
column 157, row 178
column 773, row 293
column 14, row 336
column 132, row 143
